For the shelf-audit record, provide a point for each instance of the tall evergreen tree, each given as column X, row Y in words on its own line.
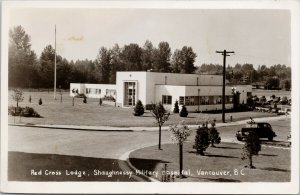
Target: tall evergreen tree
column 147, row 56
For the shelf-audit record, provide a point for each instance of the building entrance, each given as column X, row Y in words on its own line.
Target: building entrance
column 130, row 94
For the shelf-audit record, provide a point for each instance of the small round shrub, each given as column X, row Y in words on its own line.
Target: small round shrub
column 176, row 107
column 201, row 139
column 183, row 112
column 84, row 100
column 139, row 109
column 40, row 101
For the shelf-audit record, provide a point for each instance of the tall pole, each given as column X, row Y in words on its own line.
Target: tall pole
column 55, row 65
column 224, row 53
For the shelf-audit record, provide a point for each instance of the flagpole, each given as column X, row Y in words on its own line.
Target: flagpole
column 55, row 65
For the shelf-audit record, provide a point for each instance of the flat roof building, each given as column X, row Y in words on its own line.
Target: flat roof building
column 196, row 92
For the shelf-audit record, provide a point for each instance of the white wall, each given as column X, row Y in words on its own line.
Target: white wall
column 243, row 89
column 139, row 78
column 83, row 86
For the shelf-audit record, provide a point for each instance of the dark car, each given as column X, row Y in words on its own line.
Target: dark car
column 263, row 130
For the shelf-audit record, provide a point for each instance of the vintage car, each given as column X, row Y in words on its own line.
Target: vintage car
column 263, row 130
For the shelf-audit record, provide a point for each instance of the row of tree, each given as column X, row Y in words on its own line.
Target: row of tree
column 273, row 77
column 26, row 70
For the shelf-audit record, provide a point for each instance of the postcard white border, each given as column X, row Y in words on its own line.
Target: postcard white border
column 143, row 187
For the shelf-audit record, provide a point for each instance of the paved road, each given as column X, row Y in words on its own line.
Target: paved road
column 101, row 144
column 107, row 146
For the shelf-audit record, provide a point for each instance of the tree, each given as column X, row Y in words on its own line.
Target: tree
column 176, row 107
column 147, row 56
column 201, row 139
column 188, row 59
column 104, row 64
column 272, row 83
column 180, row 133
column 17, row 96
column 162, row 58
column 183, row 112
column 22, row 61
column 213, row 134
column 47, row 59
column 287, row 84
column 176, row 61
column 139, row 108
column 116, row 64
column 161, row 116
column 251, row 147
column 40, row 101
column 131, row 57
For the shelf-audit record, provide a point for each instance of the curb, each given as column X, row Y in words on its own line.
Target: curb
column 131, row 129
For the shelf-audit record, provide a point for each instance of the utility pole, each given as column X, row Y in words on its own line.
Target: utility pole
column 224, row 53
column 55, row 65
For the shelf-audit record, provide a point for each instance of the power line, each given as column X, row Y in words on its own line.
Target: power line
column 224, row 53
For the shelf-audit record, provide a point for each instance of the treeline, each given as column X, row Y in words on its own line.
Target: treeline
column 26, row 70
column 274, row 77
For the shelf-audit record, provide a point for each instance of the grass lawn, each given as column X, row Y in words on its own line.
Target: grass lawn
column 55, row 112
column 272, row 164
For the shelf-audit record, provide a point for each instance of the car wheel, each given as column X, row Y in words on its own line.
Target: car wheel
column 270, row 138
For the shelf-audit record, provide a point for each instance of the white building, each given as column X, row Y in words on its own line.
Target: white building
column 196, row 92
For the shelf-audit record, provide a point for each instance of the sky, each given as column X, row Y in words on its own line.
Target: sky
column 256, row 36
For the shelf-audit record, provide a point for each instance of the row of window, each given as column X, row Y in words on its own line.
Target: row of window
column 197, row 100
column 203, row 100
column 109, row 92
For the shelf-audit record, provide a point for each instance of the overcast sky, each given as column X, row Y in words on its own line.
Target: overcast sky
column 257, row 36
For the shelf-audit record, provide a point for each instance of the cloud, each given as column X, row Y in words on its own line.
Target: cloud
column 75, row 38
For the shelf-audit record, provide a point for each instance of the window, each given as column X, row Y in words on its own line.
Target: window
column 181, row 100
column 99, row 91
column 167, row 99
column 192, row 100
column 219, row 100
column 187, row 100
column 206, row 100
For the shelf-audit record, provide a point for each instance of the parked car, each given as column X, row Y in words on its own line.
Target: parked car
column 263, row 130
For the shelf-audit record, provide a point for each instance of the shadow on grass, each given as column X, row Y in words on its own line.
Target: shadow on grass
column 146, row 164
column 274, row 169
column 227, row 147
column 268, row 155
column 222, row 180
column 37, row 167
column 220, row 156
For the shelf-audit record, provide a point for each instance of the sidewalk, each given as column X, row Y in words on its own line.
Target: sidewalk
column 110, row 128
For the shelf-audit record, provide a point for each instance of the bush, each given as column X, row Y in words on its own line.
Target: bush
column 109, row 98
column 100, row 101
column 29, row 99
column 19, row 111
column 176, row 107
column 213, row 135
column 201, row 139
column 139, row 109
column 183, row 112
column 40, row 101
column 84, row 100
column 252, row 147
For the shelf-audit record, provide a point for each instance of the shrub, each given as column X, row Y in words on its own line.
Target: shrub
column 84, row 99
column 19, row 111
column 201, row 139
column 109, row 98
column 139, row 109
column 40, row 101
column 183, row 112
column 29, row 99
column 213, row 134
column 252, row 147
column 100, row 101
column 176, row 107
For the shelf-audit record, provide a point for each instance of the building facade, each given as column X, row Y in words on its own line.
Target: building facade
column 196, row 92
